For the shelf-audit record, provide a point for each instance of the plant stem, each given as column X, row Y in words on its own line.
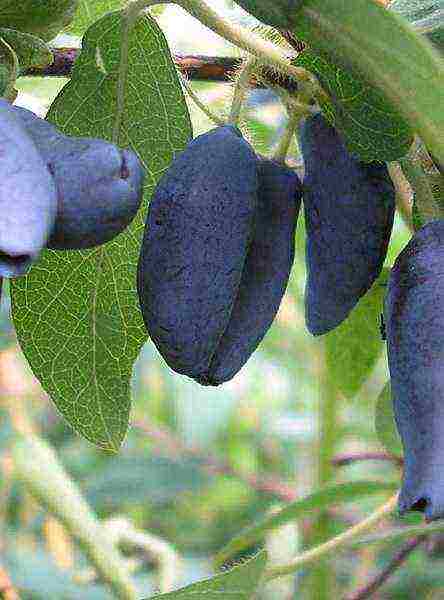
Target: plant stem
column 195, row 66
column 37, row 465
column 201, row 105
column 341, row 460
column 241, row 89
column 265, row 51
column 424, row 200
column 322, row 582
column 296, row 113
column 403, row 194
column 367, row 590
column 339, row 542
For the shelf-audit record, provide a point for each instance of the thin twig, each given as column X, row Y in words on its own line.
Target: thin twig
column 342, row 460
column 195, row 67
column 296, row 112
column 367, row 590
column 241, row 89
column 337, row 543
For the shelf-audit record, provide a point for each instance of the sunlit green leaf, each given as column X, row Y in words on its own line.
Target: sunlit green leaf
column 239, row 583
column 373, row 128
column 88, row 12
column 365, row 39
column 77, row 313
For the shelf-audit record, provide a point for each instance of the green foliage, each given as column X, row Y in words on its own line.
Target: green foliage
column 353, row 348
column 8, row 69
column 345, row 492
column 374, row 45
column 372, row 127
column 31, row 51
column 44, row 19
column 76, row 314
column 88, row 12
column 124, row 480
column 240, row 583
column 385, row 422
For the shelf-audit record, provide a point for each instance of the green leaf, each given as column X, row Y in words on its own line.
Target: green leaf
column 385, row 425
column 239, row 583
column 9, row 68
column 77, row 313
column 31, row 51
column 353, row 348
column 44, row 19
column 328, row 496
column 373, row 129
column 123, row 480
column 378, row 46
column 88, row 12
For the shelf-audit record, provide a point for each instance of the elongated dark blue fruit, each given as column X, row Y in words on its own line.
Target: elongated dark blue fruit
column 349, row 210
column 266, row 270
column 198, row 231
column 99, row 186
column 28, row 200
column 415, row 339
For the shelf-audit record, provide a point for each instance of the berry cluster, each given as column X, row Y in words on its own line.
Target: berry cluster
column 219, row 245
column 218, row 250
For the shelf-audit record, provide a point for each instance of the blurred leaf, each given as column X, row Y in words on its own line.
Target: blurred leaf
column 31, row 51
column 88, row 12
column 137, row 480
column 375, row 45
column 239, row 583
column 36, row 575
column 353, row 348
column 77, row 314
column 437, row 38
column 372, row 127
column 44, row 19
column 321, row 499
column 8, row 70
column 385, row 425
